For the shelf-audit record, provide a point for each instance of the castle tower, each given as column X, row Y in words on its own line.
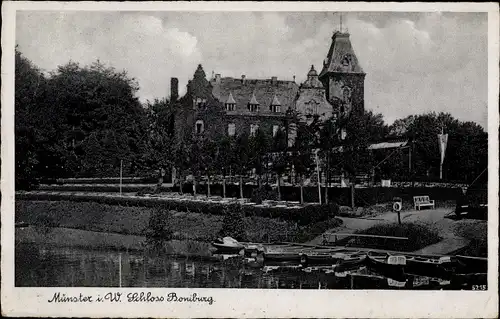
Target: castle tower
column 343, row 77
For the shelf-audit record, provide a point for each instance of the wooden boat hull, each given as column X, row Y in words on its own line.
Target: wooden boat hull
column 428, row 268
column 379, row 265
column 471, row 264
column 282, row 257
column 228, row 249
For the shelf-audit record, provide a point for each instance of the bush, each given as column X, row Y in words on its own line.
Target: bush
column 233, row 224
column 263, row 193
column 159, row 229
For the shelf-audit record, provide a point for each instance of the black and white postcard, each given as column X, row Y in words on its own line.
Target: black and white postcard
column 249, row 160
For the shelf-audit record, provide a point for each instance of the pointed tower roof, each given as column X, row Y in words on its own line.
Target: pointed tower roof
column 275, row 100
column 230, row 99
column 341, row 57
column 312, row 79
column 312, row 72
column 253, row 100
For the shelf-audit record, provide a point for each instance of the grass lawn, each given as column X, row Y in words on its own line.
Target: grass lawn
column 477, row 232
column 135, row 220
column 419, row 236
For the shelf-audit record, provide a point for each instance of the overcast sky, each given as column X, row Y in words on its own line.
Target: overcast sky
column 415, row 62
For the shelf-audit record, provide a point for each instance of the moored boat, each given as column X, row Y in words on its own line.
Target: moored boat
column 387, row 265
column 228, row 245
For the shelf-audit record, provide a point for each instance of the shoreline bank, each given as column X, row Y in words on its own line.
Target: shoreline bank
column 84, row 239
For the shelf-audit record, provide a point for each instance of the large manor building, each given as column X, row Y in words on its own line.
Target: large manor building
column 232, row 106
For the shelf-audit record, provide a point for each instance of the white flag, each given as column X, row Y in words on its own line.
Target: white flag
column 443, row 141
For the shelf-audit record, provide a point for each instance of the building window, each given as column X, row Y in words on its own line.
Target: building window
column 276, row 108
column 199, row 127
column 275, row 129
column 200, row 103
column 253, row 107
column 253, row 129
column 230, row 106
column 231, row 129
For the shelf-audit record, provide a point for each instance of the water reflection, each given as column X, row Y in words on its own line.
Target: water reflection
column 39, row 266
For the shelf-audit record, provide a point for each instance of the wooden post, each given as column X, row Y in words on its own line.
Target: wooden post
column 120, row 268
column 224, row 187
column 121, row 176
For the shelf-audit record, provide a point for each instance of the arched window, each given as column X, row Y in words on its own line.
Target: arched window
column 231, row 129
column 253, row 129
column 199, row 127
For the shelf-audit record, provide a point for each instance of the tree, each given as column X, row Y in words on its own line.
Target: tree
column 242, row 158
column 226, row 158
column 355, row 157
column 279, row 156
column 302, row 154
column 97, row 108
column 160, row 143
column 466, row 153
column 259, row 153
column 38, row 127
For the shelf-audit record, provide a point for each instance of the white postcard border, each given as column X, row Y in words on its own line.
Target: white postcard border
column 248, row 303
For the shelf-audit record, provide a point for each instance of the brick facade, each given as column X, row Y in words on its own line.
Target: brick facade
column 212, row 105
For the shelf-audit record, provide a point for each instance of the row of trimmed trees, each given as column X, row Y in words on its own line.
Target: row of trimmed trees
column 82, row 121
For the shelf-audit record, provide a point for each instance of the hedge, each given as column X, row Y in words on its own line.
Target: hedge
column 342, row 196
column 303, row 216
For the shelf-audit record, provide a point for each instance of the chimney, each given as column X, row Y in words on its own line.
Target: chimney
column 274, row 80
column 174, row 89
column 294, row 78
column 217, row 78
column 243, row 79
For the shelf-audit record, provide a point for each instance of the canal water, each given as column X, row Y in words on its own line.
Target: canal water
column 47, row 266
column 44, row 266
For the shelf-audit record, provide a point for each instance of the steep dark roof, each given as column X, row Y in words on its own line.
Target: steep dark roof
column 340, row 50
column 264, row 92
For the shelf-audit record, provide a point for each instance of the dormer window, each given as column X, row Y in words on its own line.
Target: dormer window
column 230, row 103
column 253, row 105
column 275, row 105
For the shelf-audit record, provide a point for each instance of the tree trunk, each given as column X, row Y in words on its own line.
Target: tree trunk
column 302, row 189
column 194, row 185
column 279, row 188
column 241, row 186
column 160, row 178
column 327, row 175
column 224, row 187
column 181, row 182
column 352, row 196
column 208, row 186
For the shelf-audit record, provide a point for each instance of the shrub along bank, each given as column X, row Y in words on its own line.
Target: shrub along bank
column 303, row 216
column 150, row 222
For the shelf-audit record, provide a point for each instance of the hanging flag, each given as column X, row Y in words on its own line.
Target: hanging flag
column 443, row 141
